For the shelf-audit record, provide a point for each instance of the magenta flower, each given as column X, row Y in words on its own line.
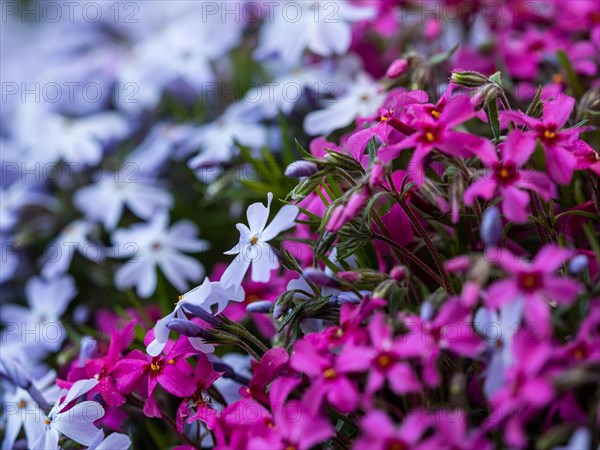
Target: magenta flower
column 435, row 131
column 380, row 432
column 328, row 377
column 382, row 359
column 292, row 424
column 141, row 371
column 204, row 377
column 559, row 143
column 536, row 282
column 101, row 368
column 450, row 330
column 505, row 177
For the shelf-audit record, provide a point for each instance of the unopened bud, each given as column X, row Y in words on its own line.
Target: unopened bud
column 201, row 313
column 487, row 94
column 187, row 328
column 491, row 227
column 301, row 169
column 350, row 277
column 347, row 297
column 397, row 68
column 578, row 264
column 398, row 273
column 469, row 78
column 427, row 310
column 320, row 278
column 260, row 307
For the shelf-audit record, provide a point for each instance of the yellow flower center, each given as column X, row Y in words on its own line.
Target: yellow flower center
column 430, row 136
column 383, row 361
column 330, row 374
column 254, row 240
column 549, row 134
column 435, row 113
column 47, row 421
column 22, row 404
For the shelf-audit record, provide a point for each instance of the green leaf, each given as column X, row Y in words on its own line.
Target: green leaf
column 440, row 58
column 572, row 78
column 535, row 103
column 372, row 150
column 492, row 113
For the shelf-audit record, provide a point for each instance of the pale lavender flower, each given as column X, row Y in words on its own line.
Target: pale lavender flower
column 216, row 141
column 21, row 411
column 76, row 423
column 73, row 238
column 323, row 27
column 498, row 328
column 153, row 245
column 204, row 296
column 37, row 328
column 106, row 199
column 16, row 196
column 114, row 441
column 253, row 248
column 362, row 98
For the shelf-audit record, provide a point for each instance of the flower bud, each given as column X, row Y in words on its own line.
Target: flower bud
column 469, row 78
column 398, row 273
column 320, row 278
column 301, row 169
column 260, row 307
column 200, row 312
column 336, row 219
column 491, row 227
column 487, row 94
column 578, row 264
column 427, row 310
column 347, row 297
column 397, row 68
column 187, row 328
column 350, row 277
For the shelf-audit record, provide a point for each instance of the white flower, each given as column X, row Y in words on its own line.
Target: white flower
column 76, row 423
column 74, row 237
column 217, row 140
column 253, row 247
column 115, row 441
column 20, row 410
column 104, row 200
column 76, row 141
column 38, row 328
column 204, row 296
column 16, row 196
column 154, row 245
column 323, row 27
column 362, row 99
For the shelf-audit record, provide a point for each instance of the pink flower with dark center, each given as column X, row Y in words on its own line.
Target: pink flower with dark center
column 328, row 377
column 558, row 142
column 536, row 282
column 382, row 359
column 141, row 371
column 435, row 131
column 505, row 177
column 204, row 377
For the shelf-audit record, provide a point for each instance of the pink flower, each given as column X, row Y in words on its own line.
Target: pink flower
column 102, row 368
column 328, row 377
column 505, row 177
column 450, row 330
column 204, row 376
column 382, row 359
column 435, row 131
column 141, row 371
column 558, row 142
column 536, row 282
column 380, row 432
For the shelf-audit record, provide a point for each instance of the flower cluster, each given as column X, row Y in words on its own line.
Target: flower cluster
column 418, row 265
